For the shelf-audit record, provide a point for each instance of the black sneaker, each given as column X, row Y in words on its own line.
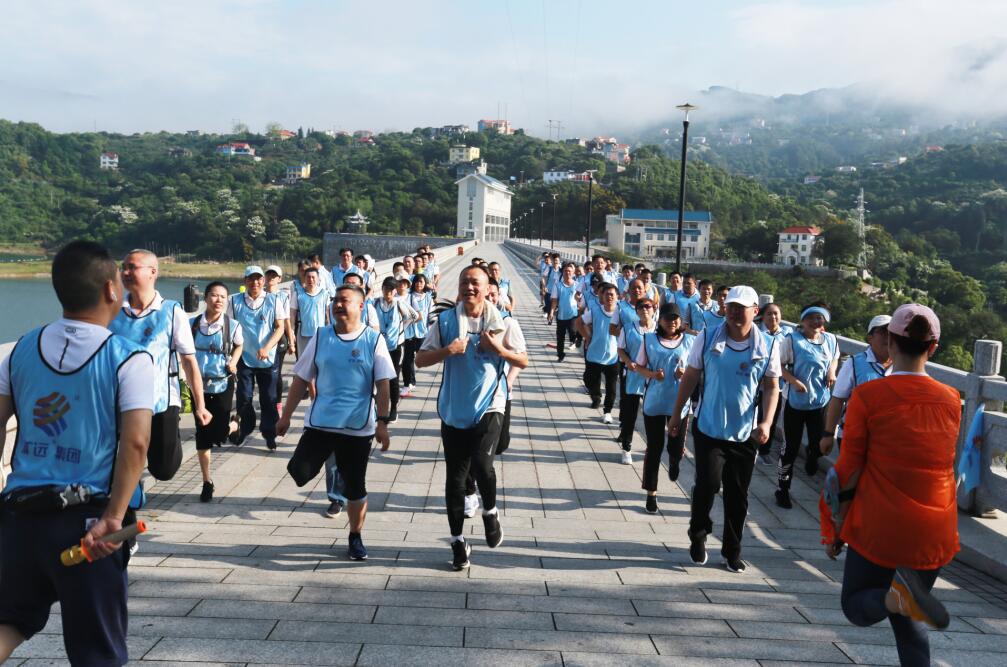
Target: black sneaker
column 461, row 551
column 735, row 565
column 237, row 438
column 697, row 552
column 652, row 504
column 393, row 415
column 673, row 471
column 494, row 533
column 335, row 507
column 595, row 403
column 207, row 493
column 783, row 499
column 811, row 464
column 356, row 549
column 271, row 444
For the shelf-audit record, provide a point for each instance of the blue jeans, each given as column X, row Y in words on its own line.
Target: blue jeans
column 334, row 481
column 266, row 378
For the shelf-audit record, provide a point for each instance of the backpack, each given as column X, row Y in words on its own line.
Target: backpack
column 227, row 333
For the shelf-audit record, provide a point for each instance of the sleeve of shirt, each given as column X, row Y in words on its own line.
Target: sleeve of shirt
column 786, row 351
column 432, row 341
column 182, row 336
column 5, row 389
column 384, row 369
column 282, row 309
column 844, row 381
column 372, row 316
column 775, row 368
column 554, row 294
column 237, row 336
column 641, row 356
column 514, row 337
column 696, row 353
column 586, row 318
column 293, row 302
column 305, row 366
column 620, row 342
column 136, row 383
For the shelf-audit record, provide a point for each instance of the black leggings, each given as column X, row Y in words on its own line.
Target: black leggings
column 767, row 447
column 656, row 427
column 352, row 453
column 629, row 408
column 470, row 449
column 592, row 378
column 864, row 587
column 393, row 384
column 410, row 348
column 795, row 422
column 564, row 328
column 219, row 407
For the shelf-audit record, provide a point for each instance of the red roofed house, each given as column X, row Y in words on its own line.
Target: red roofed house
column 797, row 246
column 109, row 161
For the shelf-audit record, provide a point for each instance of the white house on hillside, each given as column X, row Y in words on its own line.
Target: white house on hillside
column 653, row 233
column 797, row 245
column 109, row 161
column 483, row 208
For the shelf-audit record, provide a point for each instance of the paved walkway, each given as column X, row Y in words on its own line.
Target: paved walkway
column 259, row 576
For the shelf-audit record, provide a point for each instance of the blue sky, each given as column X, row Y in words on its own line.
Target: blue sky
column 390, row 64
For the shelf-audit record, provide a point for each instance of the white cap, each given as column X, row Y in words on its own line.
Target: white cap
column 744, row 295
column 275, row 269
column 878, row 321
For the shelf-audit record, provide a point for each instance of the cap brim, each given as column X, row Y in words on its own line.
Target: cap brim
column 746, row 304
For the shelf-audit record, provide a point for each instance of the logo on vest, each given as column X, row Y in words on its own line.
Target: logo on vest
column 148, row 332
column 49, row 412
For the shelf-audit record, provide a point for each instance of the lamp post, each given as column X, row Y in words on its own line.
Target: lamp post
column 541, row 220
column 681, row 183
column 590, row 194
column 552, row 243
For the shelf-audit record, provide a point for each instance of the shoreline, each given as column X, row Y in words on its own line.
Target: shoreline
column 199, row 271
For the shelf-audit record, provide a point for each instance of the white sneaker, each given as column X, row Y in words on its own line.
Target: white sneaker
column 627, row 458
column 471, row 505
column 607, row 418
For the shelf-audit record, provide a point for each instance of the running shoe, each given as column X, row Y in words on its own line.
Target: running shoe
column 471, row 505
column 335, row 507
column 697, row 552
column 405, row 392
column 652, row 504
column 393, row 416
column 207, row 494
column 356, row 549
column 461, row 551
column 237, row 438
column 607, row 418
column 783, row 499
column 627, row 458
column 811, row 465
column 915, row 601
column 494, row 533
column 735, row 565
column 271, row 444
column 595, row 403
column 673, row 470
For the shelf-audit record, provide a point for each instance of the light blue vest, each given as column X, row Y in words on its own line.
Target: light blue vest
column 660, row 396
column 603, row 348
column 811, row 366
column 731, row 383
column 685, row 302
column 211, row 356
column 345, row 379
column 504, row 287
column 155, row 333
column 256, row 328
column 470, row 381
column 627, row 314
column 783, row 332
column 634, row 338
column 67, row 422
column 696, row 316
column 566, row 301
column 421, row 303
column 390, row 322
column 623, row 283
column 312, row 312
column 711, row 320
column 339, row 276
column 865, row 371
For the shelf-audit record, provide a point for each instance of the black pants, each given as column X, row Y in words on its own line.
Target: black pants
column 592, row 378
column 351, row 452
column 470, row 449
column 629, row 408
column 563, row 329
column 219, row 406
column 409, row 349
column 281, row 354
column 721, row 462
column 864, row 587
column 795, row 422
column 502, row 444
column 656, row 427
column 265, row 378
column 393, row 384
column 164, row 455
column 766, row 448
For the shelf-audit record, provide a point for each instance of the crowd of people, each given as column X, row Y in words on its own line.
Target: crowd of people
column 98, row 394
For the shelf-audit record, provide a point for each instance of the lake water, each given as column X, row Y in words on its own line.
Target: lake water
column 26, row 303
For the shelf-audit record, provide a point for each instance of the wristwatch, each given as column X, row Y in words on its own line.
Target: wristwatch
column 828, row 434
column 385, row 420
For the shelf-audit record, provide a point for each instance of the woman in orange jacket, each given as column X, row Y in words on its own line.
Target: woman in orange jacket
column 891, row 494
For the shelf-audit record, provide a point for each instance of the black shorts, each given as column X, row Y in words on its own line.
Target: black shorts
column 351, row 452
column 219, row 407
column 164, row 456
column 92, row 596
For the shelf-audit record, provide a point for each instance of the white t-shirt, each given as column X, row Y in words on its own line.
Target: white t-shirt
column 513, row 340
column 181, row 340
column 67, row 344
column 210, row 329
column 384, row 369
column 774, row 370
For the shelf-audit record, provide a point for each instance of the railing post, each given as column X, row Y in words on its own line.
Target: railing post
column 986, row 366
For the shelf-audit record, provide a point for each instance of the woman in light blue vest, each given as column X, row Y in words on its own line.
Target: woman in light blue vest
column 772, row 324
column 394, row 315
column 420, row 300
column 629, row 344
column 662, row 360
column 809, row 357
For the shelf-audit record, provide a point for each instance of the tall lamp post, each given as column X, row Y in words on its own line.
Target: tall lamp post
column 590, row 193
column 681, row 183
column 552, row 243
column 541, row 221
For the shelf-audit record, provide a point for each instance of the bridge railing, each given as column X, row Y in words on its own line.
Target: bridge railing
column 983, row 386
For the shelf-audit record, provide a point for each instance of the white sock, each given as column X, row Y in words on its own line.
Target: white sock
column 490, row 512
column 457, row 538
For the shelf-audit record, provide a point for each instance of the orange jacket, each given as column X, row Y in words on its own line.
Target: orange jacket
column 900, row 431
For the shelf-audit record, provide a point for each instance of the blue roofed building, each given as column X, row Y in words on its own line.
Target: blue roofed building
column 653, row 233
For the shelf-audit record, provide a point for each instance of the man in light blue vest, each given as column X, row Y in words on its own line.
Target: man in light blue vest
column 735, row 358
column 349, row 365
column 344, row 268
column 472, row 342
column 261, row 316
column 83, row 398
column 601, row 350
column 161, row 327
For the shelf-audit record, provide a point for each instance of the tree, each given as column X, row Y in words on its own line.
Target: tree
column 273, row 128
column 840, row 245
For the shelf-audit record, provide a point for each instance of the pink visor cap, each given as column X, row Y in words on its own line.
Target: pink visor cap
column 905, row 313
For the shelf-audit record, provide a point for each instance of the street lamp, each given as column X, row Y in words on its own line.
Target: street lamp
column 541, row 220
column 590, row 193
column 681, row 183
column 552, row 243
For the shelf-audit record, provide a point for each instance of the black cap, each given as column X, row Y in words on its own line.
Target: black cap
column 670, row 311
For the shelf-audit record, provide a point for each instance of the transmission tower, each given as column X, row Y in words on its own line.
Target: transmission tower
column 861, row 212
column 558, row 124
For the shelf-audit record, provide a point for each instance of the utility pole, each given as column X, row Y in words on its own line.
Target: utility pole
column 590, row 193
column 552, row 243
column 541, row 221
